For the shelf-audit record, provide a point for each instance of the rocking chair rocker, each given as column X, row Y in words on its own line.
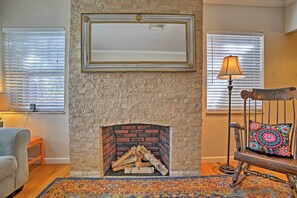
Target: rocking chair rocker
column 269, row 146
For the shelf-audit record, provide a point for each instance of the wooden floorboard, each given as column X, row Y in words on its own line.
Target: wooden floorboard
column 41, row 176
column 212, row 168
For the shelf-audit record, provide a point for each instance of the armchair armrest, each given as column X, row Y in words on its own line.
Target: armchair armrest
column 238, row 135
column 14, row 141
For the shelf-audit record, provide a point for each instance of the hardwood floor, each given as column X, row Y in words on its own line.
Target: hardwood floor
column 213, row 169
column 42, row 175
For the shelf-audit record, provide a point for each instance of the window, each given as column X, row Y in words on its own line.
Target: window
column 249, row 49
column 34, row 68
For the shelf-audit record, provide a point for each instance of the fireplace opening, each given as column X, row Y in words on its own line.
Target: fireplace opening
column 118, row 140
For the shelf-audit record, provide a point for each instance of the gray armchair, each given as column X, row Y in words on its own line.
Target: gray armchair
column 13, row 159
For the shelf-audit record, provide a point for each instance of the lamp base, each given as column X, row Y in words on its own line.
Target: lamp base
column 228, row 169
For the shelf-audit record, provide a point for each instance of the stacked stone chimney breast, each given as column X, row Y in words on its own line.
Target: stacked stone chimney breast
column 158, row 98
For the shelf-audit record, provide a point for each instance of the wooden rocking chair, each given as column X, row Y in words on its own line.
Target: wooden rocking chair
column 276, row 103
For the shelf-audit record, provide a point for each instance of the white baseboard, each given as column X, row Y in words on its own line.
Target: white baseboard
column 216, row 159
column 54, row 161
column 57, row 160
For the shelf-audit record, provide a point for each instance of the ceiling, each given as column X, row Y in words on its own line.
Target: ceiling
column 268, row 3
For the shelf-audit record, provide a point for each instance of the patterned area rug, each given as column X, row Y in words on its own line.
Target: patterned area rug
column 211, row 186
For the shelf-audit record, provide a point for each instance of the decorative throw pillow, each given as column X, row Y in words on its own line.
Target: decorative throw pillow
column 270, row 139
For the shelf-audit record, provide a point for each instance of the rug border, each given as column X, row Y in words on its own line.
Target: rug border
column 126, row 178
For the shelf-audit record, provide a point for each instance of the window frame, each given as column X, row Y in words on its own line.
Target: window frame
column 38, row 110
column 262, row 80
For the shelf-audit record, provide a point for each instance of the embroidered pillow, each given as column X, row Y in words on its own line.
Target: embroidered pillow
column 270, row 139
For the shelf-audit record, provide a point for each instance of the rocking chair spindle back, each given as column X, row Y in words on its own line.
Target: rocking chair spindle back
column 269, row 107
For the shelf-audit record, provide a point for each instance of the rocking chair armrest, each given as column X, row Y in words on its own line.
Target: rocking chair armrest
column 236, row 125
column 237, row 134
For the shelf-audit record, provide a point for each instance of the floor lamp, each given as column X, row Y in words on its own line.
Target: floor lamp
column 230, row 70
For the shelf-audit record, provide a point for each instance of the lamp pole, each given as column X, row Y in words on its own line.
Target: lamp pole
column 227, row 168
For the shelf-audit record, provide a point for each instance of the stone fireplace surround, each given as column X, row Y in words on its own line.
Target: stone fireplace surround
column 118, row 139
column 103, row 99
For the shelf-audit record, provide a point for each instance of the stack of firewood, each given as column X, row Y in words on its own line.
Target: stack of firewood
column 139, row 160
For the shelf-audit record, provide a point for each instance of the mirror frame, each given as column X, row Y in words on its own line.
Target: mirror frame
column 150, row 66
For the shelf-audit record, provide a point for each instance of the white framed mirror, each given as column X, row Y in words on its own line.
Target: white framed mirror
column 137, row 42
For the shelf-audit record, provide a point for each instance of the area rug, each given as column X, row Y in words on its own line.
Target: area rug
column 210, row 186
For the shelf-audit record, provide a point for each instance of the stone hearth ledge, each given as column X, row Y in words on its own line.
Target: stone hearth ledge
column 97, row 174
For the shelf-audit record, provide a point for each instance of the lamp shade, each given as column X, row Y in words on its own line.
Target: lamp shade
column 4, row 104
column 230, row 67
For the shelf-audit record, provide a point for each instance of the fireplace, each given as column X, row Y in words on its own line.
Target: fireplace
column 118, row 139
column 99, row 99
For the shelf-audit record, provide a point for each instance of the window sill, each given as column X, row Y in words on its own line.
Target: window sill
column 222, row 112
column 35, row 112
column 226, row 112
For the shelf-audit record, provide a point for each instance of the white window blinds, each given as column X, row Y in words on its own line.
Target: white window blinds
column 250, row 50
column 34, row 67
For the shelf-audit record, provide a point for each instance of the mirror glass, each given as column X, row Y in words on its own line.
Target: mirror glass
column 138, row 42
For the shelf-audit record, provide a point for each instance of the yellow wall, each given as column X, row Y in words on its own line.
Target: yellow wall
column 280, row 63
column 53, row 127
column 291, row 17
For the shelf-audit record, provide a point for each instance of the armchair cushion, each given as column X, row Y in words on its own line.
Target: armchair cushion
column 14, row 159
column 270, row 139
column 8, row 166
